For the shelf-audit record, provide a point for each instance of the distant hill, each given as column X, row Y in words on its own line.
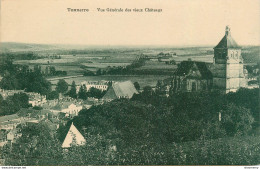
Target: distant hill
column 251, row 54
column 16, row 47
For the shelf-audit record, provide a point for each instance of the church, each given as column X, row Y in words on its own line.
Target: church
column 226, row 73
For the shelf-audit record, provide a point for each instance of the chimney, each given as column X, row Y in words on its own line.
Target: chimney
column 228, row 31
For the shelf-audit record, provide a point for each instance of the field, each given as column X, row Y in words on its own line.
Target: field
column 77, row 59
column 94, row 59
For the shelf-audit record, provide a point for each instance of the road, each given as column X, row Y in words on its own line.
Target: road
column 64, row 77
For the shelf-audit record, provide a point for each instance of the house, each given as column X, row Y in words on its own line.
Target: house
column 120, row 90
column 35, row 99
column 192, row 76
column 13, row 135
column 73, row 137
column 70, row 109
column 32, row 114
column 49, row 103
column 6, row 93
column 9, row 122
column 86, row 104
column 101, row 85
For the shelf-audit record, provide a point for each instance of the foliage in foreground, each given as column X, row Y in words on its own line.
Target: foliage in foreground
column 101, row 151
column 124, row 132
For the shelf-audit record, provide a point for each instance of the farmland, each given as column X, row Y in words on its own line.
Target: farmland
column 75, row 60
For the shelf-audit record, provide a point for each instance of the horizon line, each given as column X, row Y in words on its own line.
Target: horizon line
column 120, row 45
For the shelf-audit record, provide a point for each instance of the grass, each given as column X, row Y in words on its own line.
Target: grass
column 156, row 65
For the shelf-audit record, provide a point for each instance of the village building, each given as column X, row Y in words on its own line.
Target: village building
column 9, row 122
column 9, row 132
column 49, row 103
column 13, row 135
column 101, row 85
column 166, row 57
column 226, row 74
column 68, row 108
column 34, row 115
column 73, row 137
column 120, row 90
column 35, row 99
column 86, row 104
column 6, row 93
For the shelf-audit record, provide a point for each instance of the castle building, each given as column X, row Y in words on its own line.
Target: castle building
column 192, row 76
column 228, row 68
column 226, row 74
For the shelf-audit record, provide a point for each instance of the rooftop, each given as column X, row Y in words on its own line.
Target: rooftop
column 8, row 118
column 185, row 67
column 227, row 41
column 121, row 89
column 73, row 135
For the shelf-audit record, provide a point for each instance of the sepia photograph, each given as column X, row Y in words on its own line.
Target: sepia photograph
column 129, row 83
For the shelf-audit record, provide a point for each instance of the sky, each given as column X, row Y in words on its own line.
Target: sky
column 181, row 22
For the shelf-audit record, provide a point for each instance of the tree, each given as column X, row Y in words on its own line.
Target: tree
column 9, row 82
column 94, row 92
column 73, row 91
column 99, row 72
column 14, row 103
column 36, row 146
column 52, row 95
column 1, row 99
column 37, row 69
column 52, row 70
column 137, row 86
column 21, row 100
column 82, row 94
column 159, row 87
column 62, row 86
column 148, row 91
column 236, row 120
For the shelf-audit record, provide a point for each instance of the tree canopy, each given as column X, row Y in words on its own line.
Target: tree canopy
column 62, row 86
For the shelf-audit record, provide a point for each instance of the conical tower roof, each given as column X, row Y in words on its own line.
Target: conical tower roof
column 227, row 41
column 73, row 135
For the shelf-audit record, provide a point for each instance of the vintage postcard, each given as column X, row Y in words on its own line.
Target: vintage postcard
column 129, row 83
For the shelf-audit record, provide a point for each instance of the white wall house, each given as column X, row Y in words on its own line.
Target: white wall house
column 35, row 99
column 72, row 109
column 101, row 85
